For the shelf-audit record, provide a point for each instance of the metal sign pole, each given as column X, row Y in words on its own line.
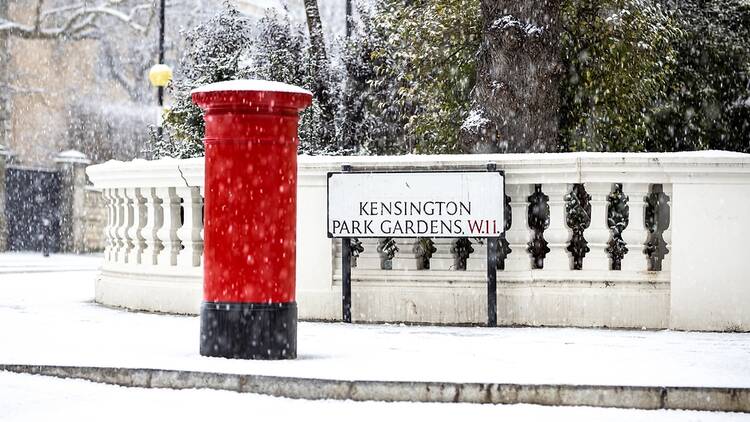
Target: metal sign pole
column 346, row 270
column 492, row 282
column 492, row 272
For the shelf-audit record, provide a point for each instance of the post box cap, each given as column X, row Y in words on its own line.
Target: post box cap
column 251, row 85
column 257, row 94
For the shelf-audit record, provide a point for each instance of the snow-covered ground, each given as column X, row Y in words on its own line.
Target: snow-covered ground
column 18, row 262
column 50, row 318
column 35, row 398
column 47, row 316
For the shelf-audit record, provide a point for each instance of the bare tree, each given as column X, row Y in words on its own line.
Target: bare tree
column 125, row 59
column 127, row 64
column 77, row 20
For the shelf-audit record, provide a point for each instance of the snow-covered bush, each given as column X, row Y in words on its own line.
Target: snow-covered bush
column 232, row 46
column 619, row 58
column 425, row 67
column 371, row 121
column 638, row 75
column 708, row 105
column 214, row 53
column 282, row 53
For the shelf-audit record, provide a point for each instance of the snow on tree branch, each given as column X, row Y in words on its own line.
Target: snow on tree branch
column 80, row 20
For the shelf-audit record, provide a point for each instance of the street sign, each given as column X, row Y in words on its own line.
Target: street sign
column 416, row 204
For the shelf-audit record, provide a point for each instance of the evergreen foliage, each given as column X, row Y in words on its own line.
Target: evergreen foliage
column 214, row 52
column 656, row 75
column 425, row 68
column 708, row 104
column 282, row 53
column 619, row 59
column 232, row 46
column 371, row 122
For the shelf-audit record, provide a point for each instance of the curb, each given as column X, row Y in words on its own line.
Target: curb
column 629, row 397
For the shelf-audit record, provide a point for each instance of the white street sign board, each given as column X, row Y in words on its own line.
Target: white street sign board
column 416, row 204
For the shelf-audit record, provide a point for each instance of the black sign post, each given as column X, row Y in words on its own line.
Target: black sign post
column 492, row 271
column 346, row 269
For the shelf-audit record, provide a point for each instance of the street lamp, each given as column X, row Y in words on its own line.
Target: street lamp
column 160, row 74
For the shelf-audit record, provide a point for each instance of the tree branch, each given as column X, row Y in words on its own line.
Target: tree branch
column 78, row 20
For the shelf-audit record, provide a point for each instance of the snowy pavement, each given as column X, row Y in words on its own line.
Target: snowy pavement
column 23, row 262
column 36, row 398
column 50, row 318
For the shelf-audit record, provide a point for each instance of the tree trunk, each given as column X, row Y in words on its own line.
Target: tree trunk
column 315, row 26
column 322, row 89
column 516, row 100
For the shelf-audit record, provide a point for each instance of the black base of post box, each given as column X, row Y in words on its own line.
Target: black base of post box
column 249, row 330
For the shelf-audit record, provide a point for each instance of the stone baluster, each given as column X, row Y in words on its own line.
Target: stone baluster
column 636, row 233
column 168, row 231
column 369, row 259
column 519, row 234
column 190, row 232
column 154, row 221
column 424, row 248
column 477, row 261
column 119, row 214
column 123, row 229
column 108, row 236
column 558, row 234
column 388, row 249
column 442, row 258
column 135, row 234
column 598, row 233
column 405, row 259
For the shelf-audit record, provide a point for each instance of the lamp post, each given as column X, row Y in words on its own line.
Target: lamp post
column 160, row 74
column 348, row 14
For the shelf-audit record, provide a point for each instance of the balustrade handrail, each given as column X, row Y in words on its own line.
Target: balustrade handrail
column 579, row 167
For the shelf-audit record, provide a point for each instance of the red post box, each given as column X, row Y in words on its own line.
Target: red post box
column 249, row 309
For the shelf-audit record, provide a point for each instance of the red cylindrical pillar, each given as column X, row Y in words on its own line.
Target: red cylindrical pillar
column 250, row 209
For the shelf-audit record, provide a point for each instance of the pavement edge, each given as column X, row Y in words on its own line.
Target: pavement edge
column 626, row 397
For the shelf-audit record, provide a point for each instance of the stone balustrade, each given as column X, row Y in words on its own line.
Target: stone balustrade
column 592, row 239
